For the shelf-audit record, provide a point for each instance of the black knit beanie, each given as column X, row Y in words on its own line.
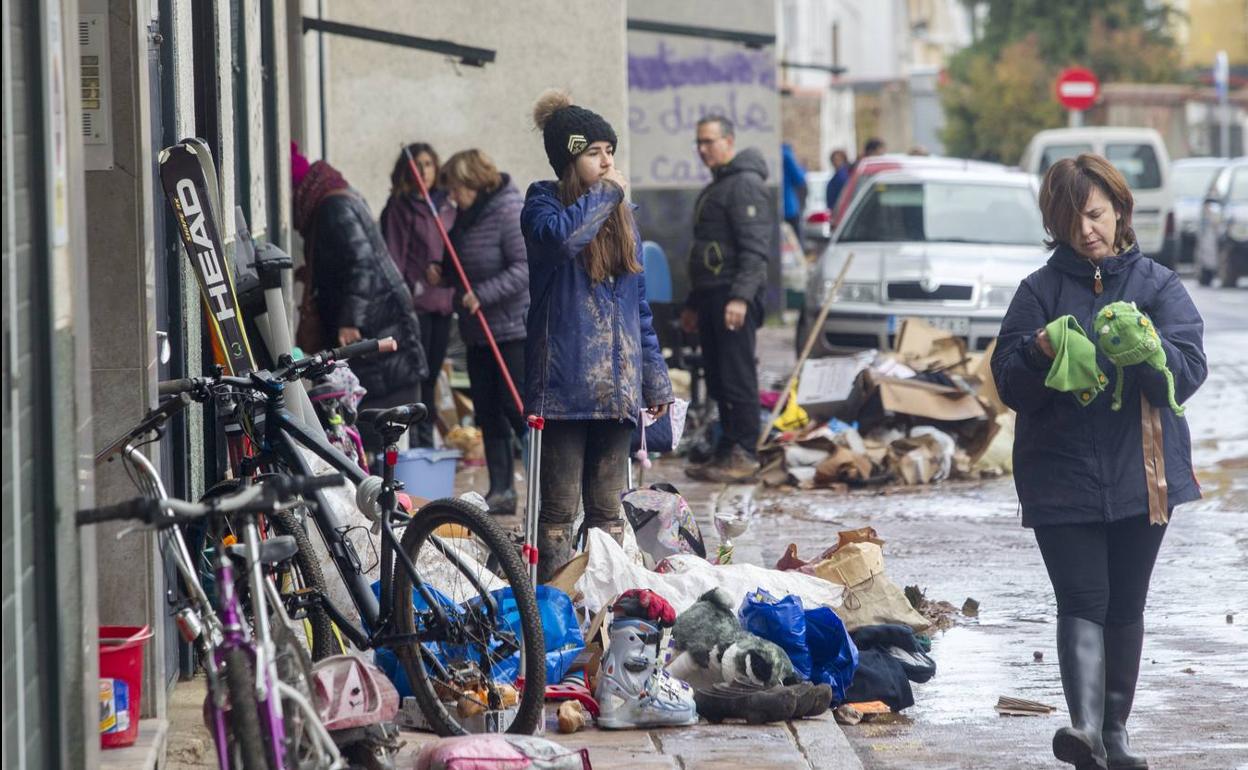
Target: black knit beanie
column 569, row 131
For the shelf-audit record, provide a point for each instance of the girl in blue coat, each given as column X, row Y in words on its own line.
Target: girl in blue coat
column 1097, row 485
column 592, row 359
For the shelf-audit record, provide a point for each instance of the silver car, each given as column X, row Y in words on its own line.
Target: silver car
column 1191, row 177
column 947, row 246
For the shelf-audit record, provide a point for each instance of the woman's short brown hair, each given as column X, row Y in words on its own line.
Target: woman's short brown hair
column 472, row 169
column 1065, row 190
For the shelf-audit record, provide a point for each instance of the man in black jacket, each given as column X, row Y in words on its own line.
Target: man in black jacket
column 733, row 232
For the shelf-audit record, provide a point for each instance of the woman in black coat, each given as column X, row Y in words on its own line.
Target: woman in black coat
column 357, row 290
column 1097, row 485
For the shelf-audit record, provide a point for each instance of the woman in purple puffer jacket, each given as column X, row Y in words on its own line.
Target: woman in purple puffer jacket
column 487, row 238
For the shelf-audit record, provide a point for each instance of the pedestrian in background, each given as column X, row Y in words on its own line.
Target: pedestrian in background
column 353, row 289
column 840, row 175
column 794, row 179
column 1098, row 509
column 487, row 238
column 874, row 146
column 733, row 234
column 415, row 243
column 593, row 358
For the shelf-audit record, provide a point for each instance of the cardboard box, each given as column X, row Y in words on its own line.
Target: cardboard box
column 826, row 383
column 876, row 399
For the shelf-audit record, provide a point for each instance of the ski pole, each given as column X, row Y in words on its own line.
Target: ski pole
column 463, row 279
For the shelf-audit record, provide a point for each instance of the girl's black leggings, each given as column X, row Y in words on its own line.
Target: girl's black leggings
column 1100, row 572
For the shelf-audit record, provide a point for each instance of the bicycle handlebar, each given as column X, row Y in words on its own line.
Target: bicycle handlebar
column 257, row 498
column 292, row 370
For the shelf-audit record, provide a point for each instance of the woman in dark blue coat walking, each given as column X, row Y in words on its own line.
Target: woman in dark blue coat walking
column 591, row 356
column 1096, row 484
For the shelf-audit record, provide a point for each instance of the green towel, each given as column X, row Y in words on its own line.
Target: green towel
column 1074, row 368
column 1127, row 337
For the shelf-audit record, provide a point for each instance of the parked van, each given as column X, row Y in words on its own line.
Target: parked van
column 1140, row 155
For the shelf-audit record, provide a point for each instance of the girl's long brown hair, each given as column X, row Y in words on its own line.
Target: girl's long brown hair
column 613, row 251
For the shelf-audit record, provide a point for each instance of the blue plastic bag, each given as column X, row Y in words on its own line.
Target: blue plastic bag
column 782, row 621
column 834, row 657
column 560, row 631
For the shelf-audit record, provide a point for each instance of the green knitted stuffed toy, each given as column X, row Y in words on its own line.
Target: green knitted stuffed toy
column 1127, row 337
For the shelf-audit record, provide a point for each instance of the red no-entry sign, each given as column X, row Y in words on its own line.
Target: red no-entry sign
column 1077, row 88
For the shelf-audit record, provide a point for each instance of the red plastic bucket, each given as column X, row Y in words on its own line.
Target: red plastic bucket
column 121, row 683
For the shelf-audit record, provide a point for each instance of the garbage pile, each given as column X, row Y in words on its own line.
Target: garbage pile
column 666, row 630
column 926, row 412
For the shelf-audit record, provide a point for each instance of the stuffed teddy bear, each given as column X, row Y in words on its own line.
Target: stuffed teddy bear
column 1127, row 337
column 712, row 647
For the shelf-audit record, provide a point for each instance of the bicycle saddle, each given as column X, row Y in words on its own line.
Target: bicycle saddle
column 408, row 414
column 274, row 550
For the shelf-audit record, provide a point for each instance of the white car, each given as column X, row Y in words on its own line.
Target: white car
column 948, row 246
column 1141, row 156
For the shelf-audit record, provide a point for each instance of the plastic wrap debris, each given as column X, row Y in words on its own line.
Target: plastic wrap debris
column 609, row 573
column 998, row 457
column 732, row 513
column 842, row 465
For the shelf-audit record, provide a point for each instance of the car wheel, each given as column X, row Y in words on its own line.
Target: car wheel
column 1226, row 268
column 799, row 336
column 1205, row 277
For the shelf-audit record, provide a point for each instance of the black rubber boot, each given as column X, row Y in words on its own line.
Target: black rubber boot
column 501, row 498
column 554, row 549
column 1081, row 656
column 1123, row 645
column 732, row 701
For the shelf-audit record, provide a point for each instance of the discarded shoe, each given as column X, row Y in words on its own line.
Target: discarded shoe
column 633, row 691
column 756, row 706
column 812, row 699
column 737, row 467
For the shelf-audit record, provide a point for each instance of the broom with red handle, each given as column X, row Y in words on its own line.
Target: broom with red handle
column 536, row 422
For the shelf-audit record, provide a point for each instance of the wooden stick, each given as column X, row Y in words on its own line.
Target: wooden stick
column 815, row 330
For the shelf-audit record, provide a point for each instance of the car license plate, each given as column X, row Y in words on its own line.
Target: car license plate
column 959, row 326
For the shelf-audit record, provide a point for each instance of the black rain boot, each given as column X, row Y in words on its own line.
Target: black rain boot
column 1081, row 656
column 554, row 549
column 1123, row 644
column 501, row 498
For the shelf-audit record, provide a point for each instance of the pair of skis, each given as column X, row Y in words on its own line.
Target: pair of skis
column 189, row 178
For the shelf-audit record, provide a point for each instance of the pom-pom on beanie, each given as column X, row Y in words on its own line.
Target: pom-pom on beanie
column 568, row 130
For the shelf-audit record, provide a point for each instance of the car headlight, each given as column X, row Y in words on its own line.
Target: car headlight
column 997, row 296
column 1238, row 231
column 854, row 291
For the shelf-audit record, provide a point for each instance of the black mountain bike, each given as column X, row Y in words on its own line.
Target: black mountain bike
column 454, row 601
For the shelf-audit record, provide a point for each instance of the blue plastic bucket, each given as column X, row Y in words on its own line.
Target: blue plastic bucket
column 427, row 473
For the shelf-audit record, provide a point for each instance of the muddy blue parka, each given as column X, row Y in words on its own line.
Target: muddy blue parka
column 591, row 351
column 1076, row 464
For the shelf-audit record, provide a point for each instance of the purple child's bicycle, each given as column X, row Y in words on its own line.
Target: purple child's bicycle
column 259, row 707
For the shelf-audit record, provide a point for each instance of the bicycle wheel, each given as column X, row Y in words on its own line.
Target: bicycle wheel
column 459, row 667
column 305, row 574
column 294, row 667
column 246, row 743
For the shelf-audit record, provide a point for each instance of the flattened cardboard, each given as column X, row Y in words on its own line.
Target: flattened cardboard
column 878, row 398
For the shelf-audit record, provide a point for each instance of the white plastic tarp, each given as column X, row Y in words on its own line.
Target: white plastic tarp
column 610, row 572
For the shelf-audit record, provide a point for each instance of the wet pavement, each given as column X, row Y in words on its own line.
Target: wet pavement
column 963, row 539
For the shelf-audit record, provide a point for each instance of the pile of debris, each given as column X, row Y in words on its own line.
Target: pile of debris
column 924, row 413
